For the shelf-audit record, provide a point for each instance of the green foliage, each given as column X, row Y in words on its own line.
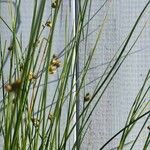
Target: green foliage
column 26, row 120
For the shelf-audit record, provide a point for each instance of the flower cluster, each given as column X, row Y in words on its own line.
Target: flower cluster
column 54, row 64
column 32, row 76
column 35, row 122
column 13, row 87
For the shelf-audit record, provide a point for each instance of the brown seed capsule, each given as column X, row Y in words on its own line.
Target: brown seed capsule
column 148, row 127
column 54, row 56
column 54, row 4
column 50, row 116
column 14, row 87
column 8, row 88
column 10, row 48
column 52, row 69
column 48, row 24
column 32, row 76
column 35, row 122
column 55, row 62
column 87, row 97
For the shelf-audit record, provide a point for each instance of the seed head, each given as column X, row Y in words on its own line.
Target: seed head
column 10, row 48
column 54, row 64
column 52, row 69
column 87, row 97
column 32, row 76
column 48, row 24
column 35, row 122
column 54, row 4
column 8, row 88
column 55, row 61
column 50, row 117
column 13, row 87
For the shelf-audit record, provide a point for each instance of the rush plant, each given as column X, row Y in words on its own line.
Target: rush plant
column 27, row 120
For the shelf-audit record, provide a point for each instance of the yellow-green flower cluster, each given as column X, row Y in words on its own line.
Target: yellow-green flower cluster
column 54, row 64
column 35, row 122
column 32, row 76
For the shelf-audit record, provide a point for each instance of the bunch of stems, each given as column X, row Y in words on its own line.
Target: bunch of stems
column 27, row 121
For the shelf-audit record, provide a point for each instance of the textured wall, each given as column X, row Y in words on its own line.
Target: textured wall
column 112, row 110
